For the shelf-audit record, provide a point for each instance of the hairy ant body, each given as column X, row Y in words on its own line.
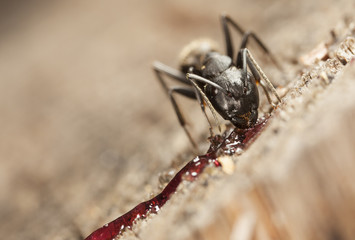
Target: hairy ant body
column 215, row 79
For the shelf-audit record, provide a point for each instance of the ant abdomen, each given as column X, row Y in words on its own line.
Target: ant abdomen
column 194, row 54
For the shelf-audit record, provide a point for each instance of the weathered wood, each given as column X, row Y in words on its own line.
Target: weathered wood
column 86, row 132
column 295, row 182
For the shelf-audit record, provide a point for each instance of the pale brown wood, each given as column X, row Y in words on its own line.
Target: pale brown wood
column 295, row 182
column 87, row 134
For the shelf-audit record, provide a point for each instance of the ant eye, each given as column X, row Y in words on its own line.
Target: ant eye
column 245, row 90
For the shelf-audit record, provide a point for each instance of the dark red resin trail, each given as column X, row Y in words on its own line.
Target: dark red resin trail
column 220, row 145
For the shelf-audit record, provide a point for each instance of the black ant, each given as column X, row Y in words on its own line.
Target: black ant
column 214, row 79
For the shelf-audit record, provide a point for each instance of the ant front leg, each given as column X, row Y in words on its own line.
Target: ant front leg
column 244, row 59
column 196, row 78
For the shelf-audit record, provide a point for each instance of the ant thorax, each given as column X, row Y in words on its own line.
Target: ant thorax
column 214, row 64
column 194, row 54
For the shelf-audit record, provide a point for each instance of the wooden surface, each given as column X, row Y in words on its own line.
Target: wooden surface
column 295, row 182
column 86, row 130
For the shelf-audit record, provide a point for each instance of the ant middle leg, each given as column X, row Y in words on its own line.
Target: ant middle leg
column 160, row 68
column 246, row 36
column 189, row 92
column 249, row 35
column 225, row 19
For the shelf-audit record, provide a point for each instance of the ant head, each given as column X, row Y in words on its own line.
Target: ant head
column 240, row 104
column 241, row 111
column 245, row 120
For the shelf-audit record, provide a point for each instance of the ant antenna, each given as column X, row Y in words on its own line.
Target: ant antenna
column 213, row 111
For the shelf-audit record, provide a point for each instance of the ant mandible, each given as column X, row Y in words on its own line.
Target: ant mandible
column 216, row 80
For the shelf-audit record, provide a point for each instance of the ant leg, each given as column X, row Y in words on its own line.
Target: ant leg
column 246, row 57
column 160, row 68
column 187, row 92
column 225, row 19
column 254, row 64
column 249, row 35
column 246, row 36
column 242, row 62
column 262, row 84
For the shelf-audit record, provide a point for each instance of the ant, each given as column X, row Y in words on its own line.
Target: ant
column 215, row 79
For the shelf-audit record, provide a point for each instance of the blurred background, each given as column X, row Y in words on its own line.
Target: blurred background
column 85, row 126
